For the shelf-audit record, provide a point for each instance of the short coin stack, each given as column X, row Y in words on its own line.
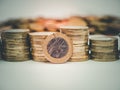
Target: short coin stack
column 104, row 48
column 79, row 36
column 37, row 39
column 0, row 49
column 15, row 45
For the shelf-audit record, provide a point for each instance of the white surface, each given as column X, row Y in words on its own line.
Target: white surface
column 88, row 75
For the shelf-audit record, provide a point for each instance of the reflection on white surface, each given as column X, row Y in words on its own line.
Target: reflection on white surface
column 88, row 75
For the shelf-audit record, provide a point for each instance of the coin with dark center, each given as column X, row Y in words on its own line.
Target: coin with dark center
column 57, row 47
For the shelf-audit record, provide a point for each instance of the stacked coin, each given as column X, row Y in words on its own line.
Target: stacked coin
column 37, row 39
column 104, row 48
column 15, row 45
column 79, row 36
column 0, row 49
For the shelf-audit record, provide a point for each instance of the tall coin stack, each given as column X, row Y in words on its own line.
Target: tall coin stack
column 0, row 49
column 15, row 45
column 104, row 48
column 37, row 39
column 79, row 36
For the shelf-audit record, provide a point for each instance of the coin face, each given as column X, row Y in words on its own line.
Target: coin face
column 103, row 38
column 57, row 47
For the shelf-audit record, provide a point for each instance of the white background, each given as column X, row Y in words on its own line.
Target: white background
column 57, row 8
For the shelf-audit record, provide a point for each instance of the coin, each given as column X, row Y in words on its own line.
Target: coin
column 57, row 48
column 79, row 37
column 16, row 45
column 36, row 39
column 104, row 48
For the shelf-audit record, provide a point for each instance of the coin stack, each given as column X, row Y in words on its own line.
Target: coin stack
column 15, row 45
column 104, row 48
column 37, row 39
column 0, row 49
column 79, row 36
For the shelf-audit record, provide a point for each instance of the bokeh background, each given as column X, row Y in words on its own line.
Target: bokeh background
column 101, row 16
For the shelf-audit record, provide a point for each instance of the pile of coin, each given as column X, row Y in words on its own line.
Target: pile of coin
column 0, row 49
column 104, row 48
column 36, row 39
column 15, row 45
column 79, row 36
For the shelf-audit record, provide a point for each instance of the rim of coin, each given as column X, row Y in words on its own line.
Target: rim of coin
column 104, row 60
column 17, row 30
column 40, row 33
column 82, row 57
column 39, row 36
column 73, row 27
column 66, row 41
column 102, row 38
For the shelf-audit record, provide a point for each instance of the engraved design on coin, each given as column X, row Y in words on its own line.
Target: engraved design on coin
column 57, row 47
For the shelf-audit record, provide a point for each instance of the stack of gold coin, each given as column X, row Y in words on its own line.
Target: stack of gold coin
column 0, row 49
column 15, row 45
column 104, row 48
column 79, row 36
column 37, row 39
